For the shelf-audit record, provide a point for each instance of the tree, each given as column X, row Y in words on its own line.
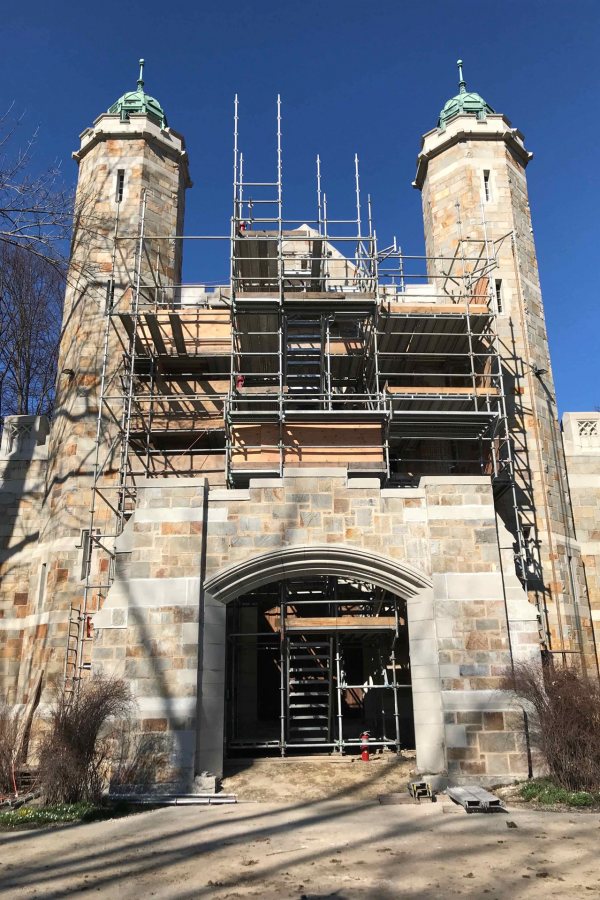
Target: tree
column 35, row 223
column 35, row 207
column 31, row 295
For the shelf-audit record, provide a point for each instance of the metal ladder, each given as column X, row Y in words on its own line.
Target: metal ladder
column 304, row 352
column 310, row 689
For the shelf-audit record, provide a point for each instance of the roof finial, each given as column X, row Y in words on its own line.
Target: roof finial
column 140, row 83
column 462, row 84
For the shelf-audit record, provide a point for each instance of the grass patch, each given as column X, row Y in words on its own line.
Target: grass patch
column 545, row 792
column 63, row 813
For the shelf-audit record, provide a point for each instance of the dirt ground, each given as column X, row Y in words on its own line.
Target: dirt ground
column 343, row 846
column 316, row 777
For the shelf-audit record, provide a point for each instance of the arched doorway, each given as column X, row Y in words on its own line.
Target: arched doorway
column 388, row 586
column 314, row 662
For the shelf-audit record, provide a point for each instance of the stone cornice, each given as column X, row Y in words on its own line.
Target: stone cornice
column 467, row 128
column 138, row 127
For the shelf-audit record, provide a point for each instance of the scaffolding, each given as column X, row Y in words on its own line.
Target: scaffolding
column 322, row 348
column 313, row 663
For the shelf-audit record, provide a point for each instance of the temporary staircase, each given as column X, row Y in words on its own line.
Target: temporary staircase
column 310, row 690
column 304, row 349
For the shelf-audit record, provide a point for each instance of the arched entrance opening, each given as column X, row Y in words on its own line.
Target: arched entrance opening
column 360, row 575
column 313, row 663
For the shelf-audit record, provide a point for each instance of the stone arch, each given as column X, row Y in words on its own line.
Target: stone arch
column 328, row 559
column 325, row 559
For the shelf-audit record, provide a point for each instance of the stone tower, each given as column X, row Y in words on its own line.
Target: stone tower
column 471, row 174
column 133, row 173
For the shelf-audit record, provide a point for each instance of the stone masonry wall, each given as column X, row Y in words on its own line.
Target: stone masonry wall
column 455, row 176
column 23, row 461
column 154, row 161
column 182, row 534
column 581, row 434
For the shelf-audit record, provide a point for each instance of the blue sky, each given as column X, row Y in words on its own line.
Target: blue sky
column 354, row 77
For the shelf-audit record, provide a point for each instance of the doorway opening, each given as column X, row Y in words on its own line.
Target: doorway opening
column 312, row 664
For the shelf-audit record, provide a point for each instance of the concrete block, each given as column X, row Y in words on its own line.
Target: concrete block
column 205, row 784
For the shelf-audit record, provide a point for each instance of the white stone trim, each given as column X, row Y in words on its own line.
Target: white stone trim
column 327, row 559
column 174, row 514
column 468, row 511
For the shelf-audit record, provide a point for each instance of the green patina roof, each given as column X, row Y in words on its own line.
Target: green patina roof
column 139, row 102
column 464, row 103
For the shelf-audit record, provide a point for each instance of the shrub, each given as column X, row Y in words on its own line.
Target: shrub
column 140, row 757
column 546, row 792
column 9, row 748
column 74, row 754
column 566, row 722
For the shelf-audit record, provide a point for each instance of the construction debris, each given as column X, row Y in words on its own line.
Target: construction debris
column 401, row 797
column 177, row 799
column 419, row 790
column 475, row 799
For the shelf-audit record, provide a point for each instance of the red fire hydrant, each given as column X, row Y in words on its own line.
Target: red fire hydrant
column 364, row 746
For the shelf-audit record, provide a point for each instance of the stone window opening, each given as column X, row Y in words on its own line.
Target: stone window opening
column 487, row 187
column 42, row 583
column 110, row 294
column 588, row 432
column 498, row 295
column 84, row 546
column 120, row 186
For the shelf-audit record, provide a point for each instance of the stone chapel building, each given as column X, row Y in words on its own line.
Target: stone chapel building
column 329, row 495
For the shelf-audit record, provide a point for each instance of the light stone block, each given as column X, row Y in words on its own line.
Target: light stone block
column 419, row 610
column 420, row 629
column 423, row 652
column 427, row 670
column 425, row 686
column 456, row 480
column 474, row 586
column 414, row 514
column 167, row 514
column 403, row 493
column 479, row 701
column 318, row 472
column 449, row 670
column 456, row 736
column 217, row 495
column 460, row 512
